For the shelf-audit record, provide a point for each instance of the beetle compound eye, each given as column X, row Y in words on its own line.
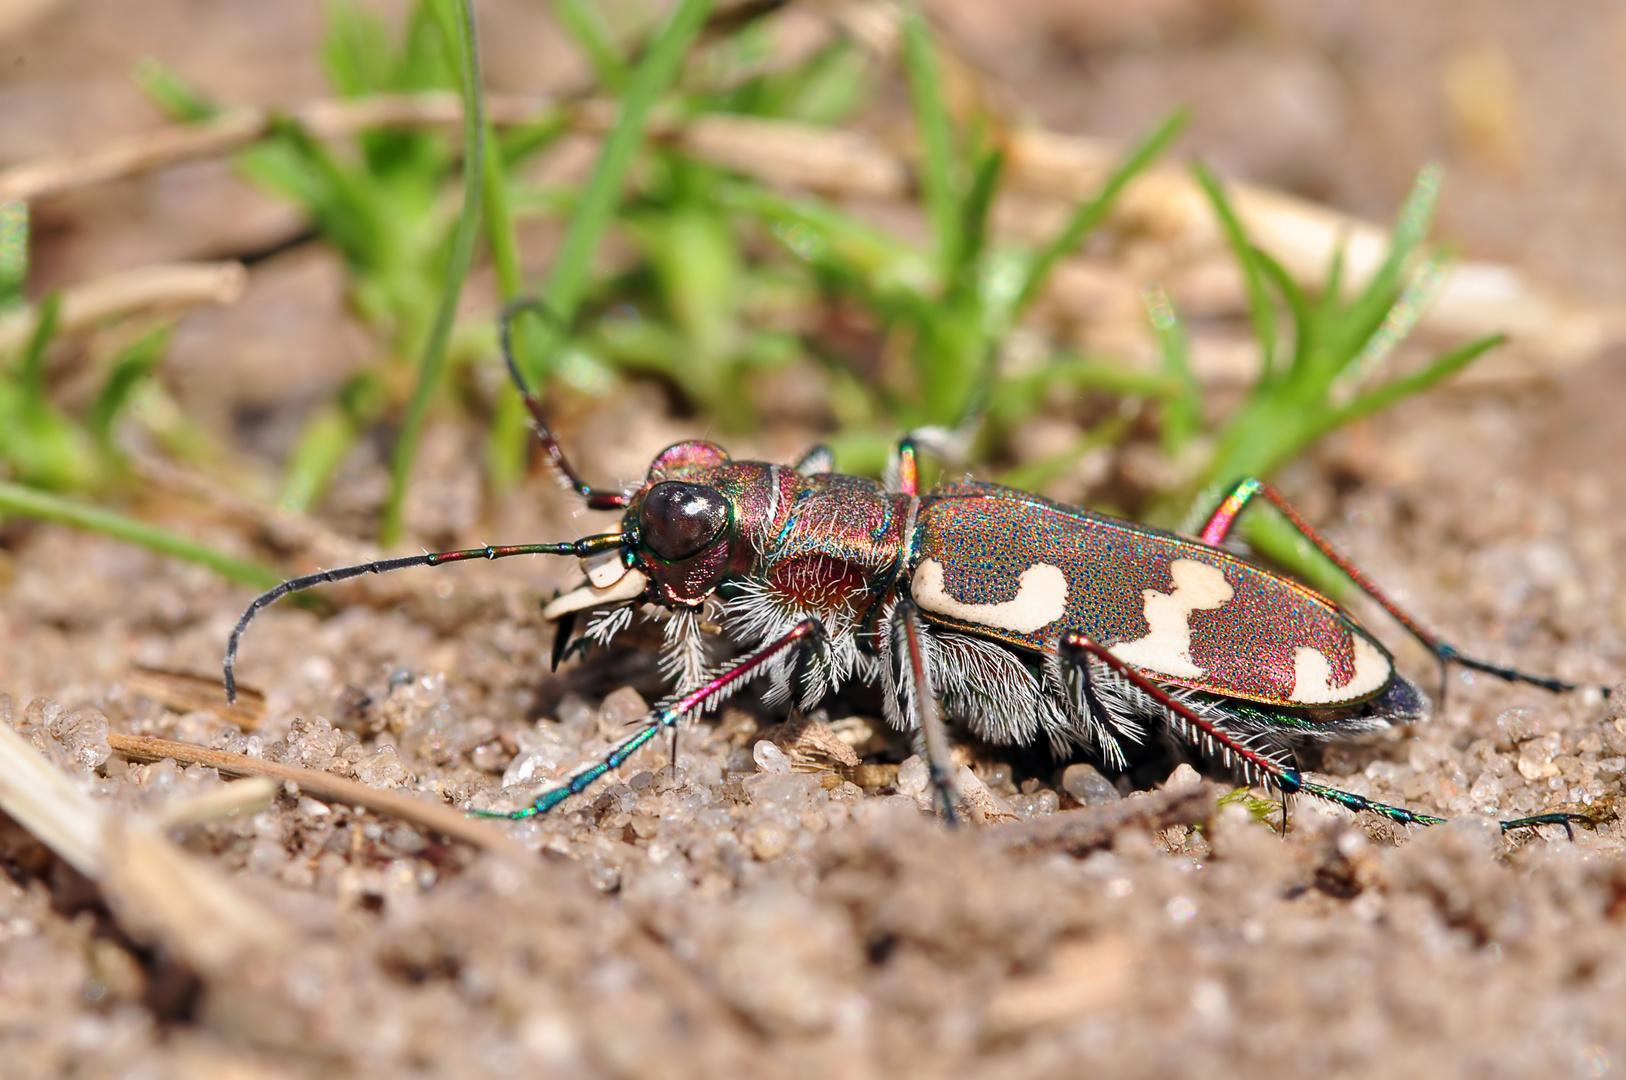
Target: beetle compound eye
column 678, row 520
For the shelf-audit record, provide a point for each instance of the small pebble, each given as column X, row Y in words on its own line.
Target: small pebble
column 913, row 776
column 489, row 757
column 767, row 840
column 620, row 710
column 1087, row 787
column 1183, row 776
column 769, row 758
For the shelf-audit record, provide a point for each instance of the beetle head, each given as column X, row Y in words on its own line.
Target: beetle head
column 683, row 523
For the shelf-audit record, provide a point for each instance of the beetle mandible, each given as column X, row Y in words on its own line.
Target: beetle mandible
column 1024, row 618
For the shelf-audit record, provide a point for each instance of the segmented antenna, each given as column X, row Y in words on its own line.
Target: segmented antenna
column 588, row 545
column 597, row 499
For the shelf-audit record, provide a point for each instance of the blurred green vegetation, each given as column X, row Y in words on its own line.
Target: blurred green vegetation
column 720, row 278
column 50, row 457
column 1318, row 375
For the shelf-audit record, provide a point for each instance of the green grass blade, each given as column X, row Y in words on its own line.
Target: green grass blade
column 1035, row 475
column 1305, row 315
column 585, row 25
column 937, row 159
column 1260, row 312
column 1017, row 397
column 31, row 365
column 357, row 54
column 1087, row 217
column 979, row 202
column 1183, row 412
column 13, row 254
column 1397, row 390
column 505, row 448
column 129, row 367
column 25, row 501
column 177, row 98
column 1367, row 312
column 343, row 203
column 422, row 61
column 656, row 72
column 1331, row 290
column 499, row 215
column 829, row 89
column 824, row 236
column 323, row 444
column 456, row 18
column 1402, row 318
column 1417, row 212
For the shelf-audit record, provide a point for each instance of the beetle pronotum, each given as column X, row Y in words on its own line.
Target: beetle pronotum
column 1024, row 618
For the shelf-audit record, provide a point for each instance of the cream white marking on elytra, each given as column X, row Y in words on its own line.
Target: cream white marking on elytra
column 1041, row 599
column 1166, row 648
column 603, row 569
column 629, row 587
column 1312, row 675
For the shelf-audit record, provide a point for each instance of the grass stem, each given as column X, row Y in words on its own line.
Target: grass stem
column 457, row 24
column 29, row 502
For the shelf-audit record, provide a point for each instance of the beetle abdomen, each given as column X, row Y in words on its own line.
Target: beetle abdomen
column 1018, row 569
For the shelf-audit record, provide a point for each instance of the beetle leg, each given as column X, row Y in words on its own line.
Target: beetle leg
column 1076, row 648
column 1079, row 685
column 713, row 692
column 818, row 460
column 1219, row 526
column 1076, row 651
column 902, row 475
column 904, row 459
column 913, row 676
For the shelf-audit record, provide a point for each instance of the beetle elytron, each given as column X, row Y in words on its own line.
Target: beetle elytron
column 1024, row 618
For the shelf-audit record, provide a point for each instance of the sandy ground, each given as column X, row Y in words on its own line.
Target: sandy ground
column 759, row 912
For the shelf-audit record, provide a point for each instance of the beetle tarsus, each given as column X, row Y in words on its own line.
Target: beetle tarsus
column 914, row 678
column 1449, row 655
column 1568, row 819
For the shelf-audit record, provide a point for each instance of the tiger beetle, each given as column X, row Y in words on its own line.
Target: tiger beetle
column 1021, row 617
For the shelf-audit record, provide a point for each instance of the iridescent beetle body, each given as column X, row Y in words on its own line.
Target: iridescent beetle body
column 1014, row 567
column 1026, row 618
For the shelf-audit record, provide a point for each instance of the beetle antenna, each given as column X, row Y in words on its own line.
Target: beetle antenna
column 581, row 549
column 597, row 499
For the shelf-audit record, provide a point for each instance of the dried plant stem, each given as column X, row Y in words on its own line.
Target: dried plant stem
column 166, row 286
column 158, row 892
column 233, row 130
column 249, row 795
column 184, row 692
column 433, row 816
column 50, row 806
